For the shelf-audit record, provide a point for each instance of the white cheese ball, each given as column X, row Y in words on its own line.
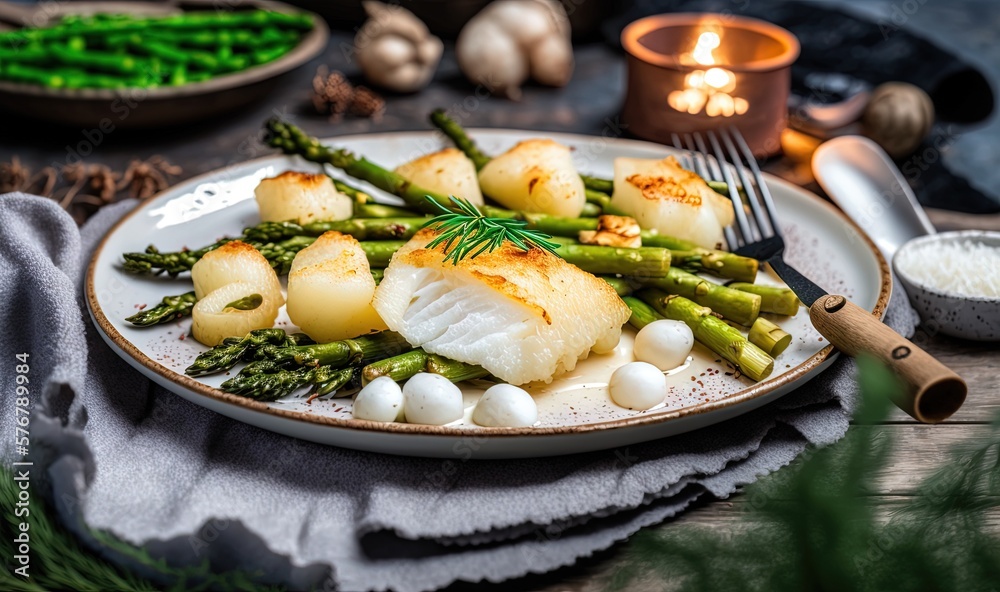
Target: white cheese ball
column 664, row 343
column 380, row 400
column 505, row 406
column 638, row 385
column 432, row 399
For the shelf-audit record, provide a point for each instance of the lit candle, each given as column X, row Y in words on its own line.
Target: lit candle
column 710, row 90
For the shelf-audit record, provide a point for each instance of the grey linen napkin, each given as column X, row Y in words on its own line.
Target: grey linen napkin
column 116, row 452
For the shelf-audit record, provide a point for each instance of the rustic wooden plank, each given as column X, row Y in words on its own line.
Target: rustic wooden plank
column 738, row 511
column 974, row 361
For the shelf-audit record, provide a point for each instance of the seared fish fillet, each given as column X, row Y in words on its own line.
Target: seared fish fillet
column 524, row 316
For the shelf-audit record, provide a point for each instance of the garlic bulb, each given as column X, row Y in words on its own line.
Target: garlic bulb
column 394, row 48
column 510, row 40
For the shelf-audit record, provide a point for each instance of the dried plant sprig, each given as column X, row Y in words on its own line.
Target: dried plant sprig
column 467, row 232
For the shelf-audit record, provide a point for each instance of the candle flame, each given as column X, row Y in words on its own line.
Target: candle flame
column 708, row 90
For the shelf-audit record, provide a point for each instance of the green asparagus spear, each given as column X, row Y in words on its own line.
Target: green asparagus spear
column 685, row 254
column 621, row 285
column 769, row 337
column 591, row 210
column 235, row 349
column 777, row 300
column 739, row 307
column 642, row 313
column 292, row 140
column 454, row 131
column 337, row 353
column 273, row 386
column 406, row 365
column 363, row 229
column 169, row 309
column 336, row 381
column 644, row 262
column 377, row 210
column 712, row 332
column 279, row 254
column 605, row 186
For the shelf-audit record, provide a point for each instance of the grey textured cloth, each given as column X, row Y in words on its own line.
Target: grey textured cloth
column 116, row 452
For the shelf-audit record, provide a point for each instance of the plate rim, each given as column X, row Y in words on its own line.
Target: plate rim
column 753, row 392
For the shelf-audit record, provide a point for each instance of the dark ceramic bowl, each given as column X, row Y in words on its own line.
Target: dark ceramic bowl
column 157, row 107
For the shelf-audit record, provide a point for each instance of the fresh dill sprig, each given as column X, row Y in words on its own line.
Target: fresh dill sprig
column 467, row 232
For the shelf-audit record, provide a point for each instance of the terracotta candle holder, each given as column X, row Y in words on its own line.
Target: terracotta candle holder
column 697, row 72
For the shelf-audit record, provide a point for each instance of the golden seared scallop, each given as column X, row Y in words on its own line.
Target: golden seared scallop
column 535, row 176
column 521, row 315
column 663, row 196
column 237, row 292
column 447, row 172
column 233, row 310
column 330, row 289
column 301, row 197
column 234, row 261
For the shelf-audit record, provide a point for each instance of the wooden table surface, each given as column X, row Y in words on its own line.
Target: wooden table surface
column 587, row 105
column 917, row 451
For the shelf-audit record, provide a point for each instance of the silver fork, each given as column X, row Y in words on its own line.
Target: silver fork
column 934, row 392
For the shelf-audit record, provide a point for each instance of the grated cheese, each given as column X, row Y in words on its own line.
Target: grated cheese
column 964, row 268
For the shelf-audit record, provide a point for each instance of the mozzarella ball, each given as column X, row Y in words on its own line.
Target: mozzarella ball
column 432, row 399
column 380, row 400
column 664, row 343
column 505, row 406
column 638, row 385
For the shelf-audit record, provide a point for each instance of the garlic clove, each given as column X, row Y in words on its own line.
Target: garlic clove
column 489, row 56
column 395, row 49
column 429, row 50
column 390, row 51
column 551, row 61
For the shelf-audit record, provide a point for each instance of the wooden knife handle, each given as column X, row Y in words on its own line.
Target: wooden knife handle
column 934, row 391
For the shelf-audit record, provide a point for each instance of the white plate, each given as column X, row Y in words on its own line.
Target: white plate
column 575, row 412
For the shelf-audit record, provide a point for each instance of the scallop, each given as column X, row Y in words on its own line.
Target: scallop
column 638, row 385
column 330, row 290
column 234, row 261
column 535, row 176
column 665, row 343
column 233, row 311
column 432, row 399
column 663, row 196
column 447, row 172
column 301, row 197
column 505, row 406
column 237, row 292
column 380, row 400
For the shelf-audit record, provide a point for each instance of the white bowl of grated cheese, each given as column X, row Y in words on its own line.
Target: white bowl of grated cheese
column 953, row 280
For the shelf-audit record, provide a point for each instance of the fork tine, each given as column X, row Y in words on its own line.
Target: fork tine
column 759, row 216
column 765, row 193
column 716, row 171
column 686, row 157
column 734, row 195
